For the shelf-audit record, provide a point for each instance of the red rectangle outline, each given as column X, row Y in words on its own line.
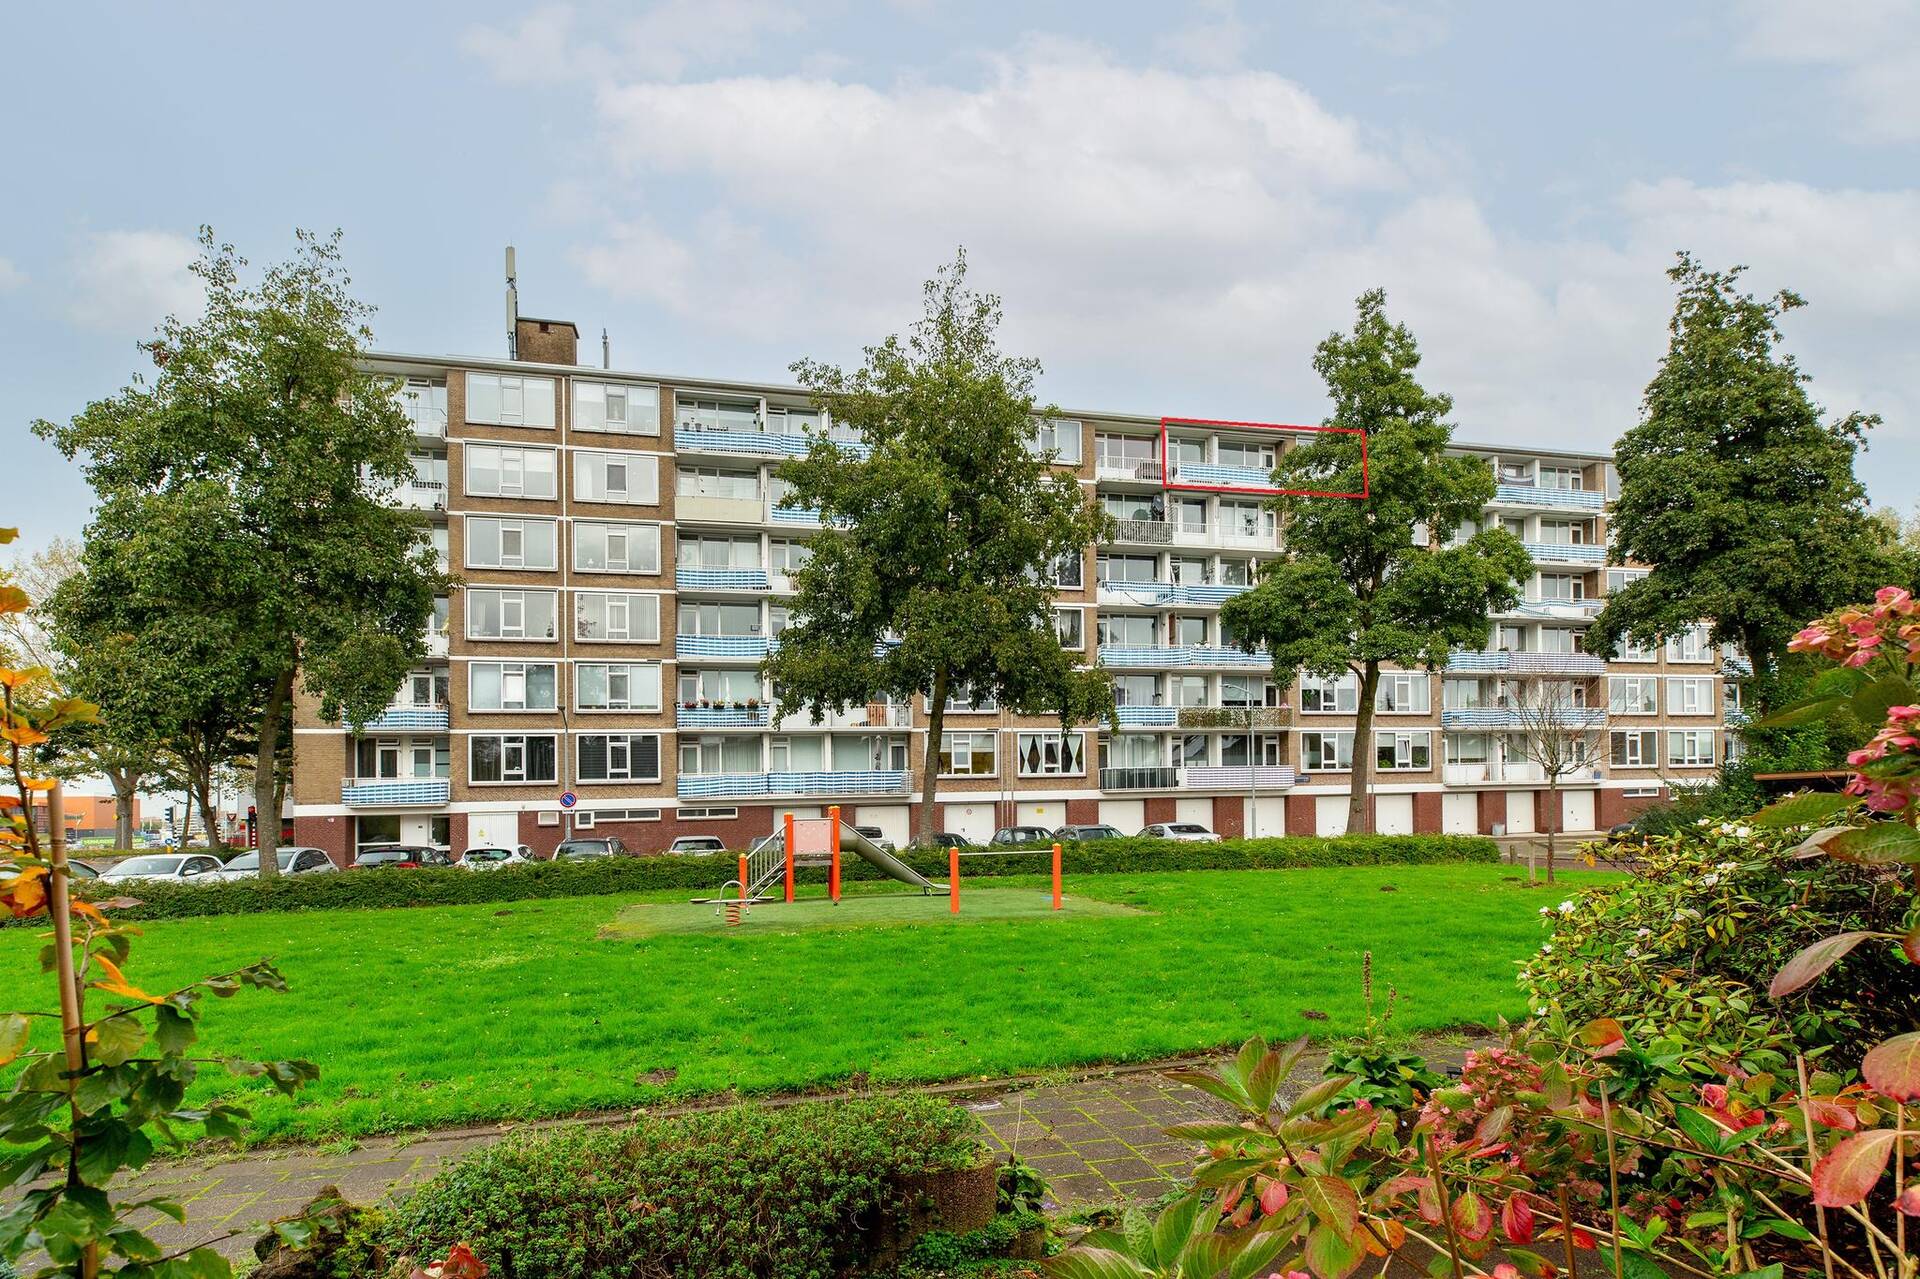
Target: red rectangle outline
column 1261, row 426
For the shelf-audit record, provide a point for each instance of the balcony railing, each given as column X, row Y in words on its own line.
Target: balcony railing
column 1156, row 656
column 1234, row 716
column 721, row 579
column 1570, row 718
column 690, row 438
column 720, row 716
column 1153, row 778
column 1556, row 499
column 419, row 495
column 1143, row 532
column 401, row 719
column 1466, row 661
column 741, row 646
column 1146, row 594
column 740, row 785
column 872, row 715
column 1494, row 773
column 436, row 643
column 1146, row 716
column 1213, row 475
column 1240, row 777
column 1562, row 553
column 392, row 792
column 1556, row 610
column 1148, row 472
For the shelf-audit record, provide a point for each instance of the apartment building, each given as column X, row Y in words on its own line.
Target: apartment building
column 627, row 557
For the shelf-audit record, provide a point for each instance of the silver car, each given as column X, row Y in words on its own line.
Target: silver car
column 295, row 860
column 493, row 857
column 1185, row 832
column 165, row 868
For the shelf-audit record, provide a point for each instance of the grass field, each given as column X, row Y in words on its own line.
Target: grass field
column 886, row 908
column 450, row 1014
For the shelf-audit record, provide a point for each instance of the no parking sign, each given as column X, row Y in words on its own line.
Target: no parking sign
column 568, row 799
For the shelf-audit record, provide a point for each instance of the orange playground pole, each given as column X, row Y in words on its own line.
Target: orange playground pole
column 743, row 877
column 1056, row 877
column 789, row 857
column 953, row 881
column 833, row 866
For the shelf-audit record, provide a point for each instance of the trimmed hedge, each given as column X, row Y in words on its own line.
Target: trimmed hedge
column 805, row 1191
column 374, row 889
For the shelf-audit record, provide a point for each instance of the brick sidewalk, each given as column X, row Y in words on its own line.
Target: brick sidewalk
column 1097, row 1139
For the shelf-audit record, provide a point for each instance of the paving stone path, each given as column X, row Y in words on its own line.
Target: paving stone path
column 1097, row 1138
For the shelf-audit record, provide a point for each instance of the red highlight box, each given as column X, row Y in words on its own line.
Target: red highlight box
column 1261, row 426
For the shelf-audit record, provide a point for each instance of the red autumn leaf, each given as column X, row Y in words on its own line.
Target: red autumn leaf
column 1847, row 1173
column 1583, row 1238
column 1911, row 945
column 1603, row 1036
column 1830, row 1114
column 1516, row 1219
column 1273, row 1197
column 1472, row 1217
column 1909, row 1201
column 1806, row 966
column 1893, row 1069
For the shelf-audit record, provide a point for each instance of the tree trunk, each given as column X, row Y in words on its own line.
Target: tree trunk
column 203, row 796
column 930, row 766
column 266, row 776
column 1553, row 818
column 125, row 783
column 1359, row 812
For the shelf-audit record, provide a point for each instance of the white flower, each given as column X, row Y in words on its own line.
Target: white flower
column 1546, row 950
column 1704, row 821
column 1644, row 932
column 1546, row 910
column 1566, row 908
column 1539, row 1012
column 1726, row 866
column 1632, row 952
column 1710, row 880
column 1743, row 831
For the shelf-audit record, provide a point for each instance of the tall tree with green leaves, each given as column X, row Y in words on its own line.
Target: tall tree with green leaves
column 933, row 573
column 1353, row 591
column 243, row 490
column 1736, row 490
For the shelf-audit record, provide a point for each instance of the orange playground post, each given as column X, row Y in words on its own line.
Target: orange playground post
column 953, row 880
column 1056, row 877
column 789, row 857
column 743, row 877
column 833, row 865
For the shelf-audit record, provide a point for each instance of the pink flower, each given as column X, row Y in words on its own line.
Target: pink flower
column 1892, row 596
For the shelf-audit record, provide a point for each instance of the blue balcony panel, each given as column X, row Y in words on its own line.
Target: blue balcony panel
column 1557, row 499
column 720, row 716
column 741, row 646
column 403, row 719
column 393, row 792
column 721, row 579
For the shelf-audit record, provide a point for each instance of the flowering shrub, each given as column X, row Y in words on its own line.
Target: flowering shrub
column 1683, row 952
column 1877, row 646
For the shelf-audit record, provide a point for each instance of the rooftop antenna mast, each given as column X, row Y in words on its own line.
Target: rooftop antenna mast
column 606, row 351
column 513, row 309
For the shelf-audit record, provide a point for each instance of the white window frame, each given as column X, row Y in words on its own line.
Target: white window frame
column 648, row 536
column 641, row 467
column 510, row 601
column 1320, row 739
column 1343, row 689
column 624, row 749
column 646, row 422
column 1634, row 748
column 1050, row 754
column 631, row 605
column 640, row 679
column 1633, row 694
column 1417, row 687
column 1690, row 695
column 512, row 389
column 521, row 739
column 510, row 458
column 510, row 671
column 517, row 527
column 1693, row 737
column 1690, row 646
column 1405, row 742
column 993, row 751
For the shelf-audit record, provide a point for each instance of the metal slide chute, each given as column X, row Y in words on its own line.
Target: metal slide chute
column 767, row 860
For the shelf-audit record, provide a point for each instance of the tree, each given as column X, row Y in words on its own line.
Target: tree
column 1353, row 591
column 245, row 485
column 1555, row 730
column 932, row 573
column 1735, row 490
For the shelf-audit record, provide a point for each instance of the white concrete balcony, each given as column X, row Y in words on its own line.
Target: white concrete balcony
column 1512, row 772
column 747, row 785
column 1239, row 777
column 872, row 715
column 693, row 509
column 418, row 495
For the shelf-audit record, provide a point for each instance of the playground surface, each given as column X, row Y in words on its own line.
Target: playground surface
column 868, row 910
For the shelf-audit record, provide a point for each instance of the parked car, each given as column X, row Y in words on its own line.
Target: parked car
column 400, row 857
column 494, row 857
column 165, row 868
column 1023, row 835
column 296, row 860
column 585, row 850
column 698, row 845
column 876, row 836
column 1083, row 834
column 943, row 839
column 1186, row 832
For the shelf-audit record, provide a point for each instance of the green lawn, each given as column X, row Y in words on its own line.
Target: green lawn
column 448, row 1014
column 886, row 908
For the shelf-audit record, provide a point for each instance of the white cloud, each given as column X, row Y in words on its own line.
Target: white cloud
column 128, row 281
column 1873, row 47
column 11, row 276
column 1402, row 28
column 549, row 45
column 539, row 49
column 1215, row 43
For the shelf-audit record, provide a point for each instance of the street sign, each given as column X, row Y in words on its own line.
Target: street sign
column 568, row 799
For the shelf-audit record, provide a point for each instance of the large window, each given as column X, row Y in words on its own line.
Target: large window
column 510, row 615
column 1060, row 436
column 1692, row 695
column 1565, row 532
column 611, row 406
column 1125, row 452
column 1404, row 693
column 496, row 470
column 1689, row 748
column 719, row 415
column 1406, row 752
column 721, row 686
column 1070, row 624
column 1051, row 755
column 510, row 686
column 719, row 552
column 1126, row 631
column 618, row 757
column 1635, row 748
column 616, row 617
column 1136, row 690
column 632, row 479
column 1562, row 477
column 498, row 543
column 1462, row 694
column 1329, row 694
column 616, row 548
column 966, row 755
column 719, row 619
column 495, row 399
column 1560, row 588
column 617, row 686
column 714, row 481
column 1327, row 752
column 1258, row 457
column 1129, row 568
column 424, row 401
column 1632, row 650
column 1248, row 690
column 787, row 558
column 708, row 755
column 1689, row 645
column 1633, row 695
column 511, row 757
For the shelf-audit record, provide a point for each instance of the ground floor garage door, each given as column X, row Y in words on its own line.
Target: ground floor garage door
column 1329, row 814
column 493, row 830
column 894, row 822
column 1578, row 807
column 1125, row 815
column 1052, row 815
column 1393, row 814
column 1519, row 812
column 1194, row 810
column 1271, row 820
column 971, row 821
column 1460, row 814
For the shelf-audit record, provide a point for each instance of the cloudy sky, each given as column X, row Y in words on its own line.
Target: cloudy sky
column 1175, row 202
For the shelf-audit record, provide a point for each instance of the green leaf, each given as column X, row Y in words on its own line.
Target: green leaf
column 114, row 1040
column 173, row 1032
column 1095, row 1263
column 14, row 1032
column 1802, row 810
column 1877, row 843
column 1778, row 1270
column 1870, row 704
column 1807, row 966
column 1706, row 1134
column 1318, row 1095
column 1330, row 1253
column 1333, row 1201
column 1789, row 1229
column 1812, row 711
column 1637, row 1266
column 1179, row 1222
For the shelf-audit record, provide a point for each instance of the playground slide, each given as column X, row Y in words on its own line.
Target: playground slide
column 852, row 841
